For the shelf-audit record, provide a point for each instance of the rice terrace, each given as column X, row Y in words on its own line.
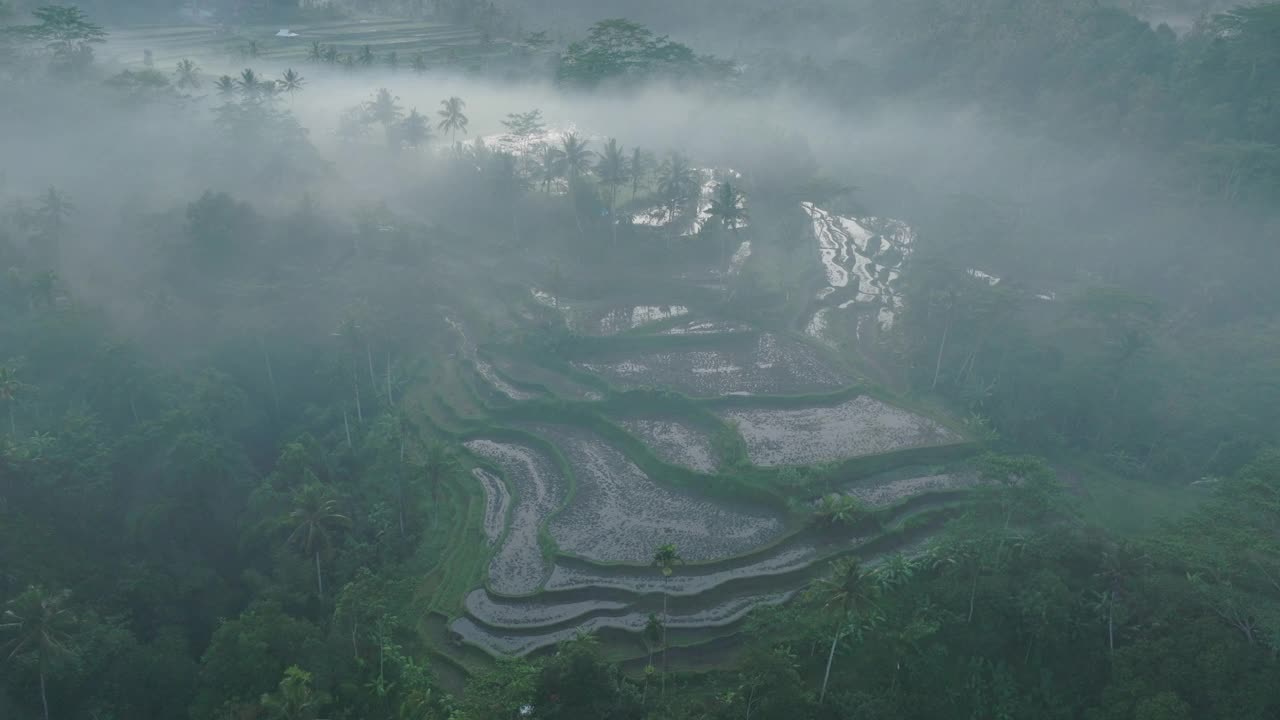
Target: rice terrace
column 713, row 473
column 430, row 43
column 623, row 360
column 718, row 437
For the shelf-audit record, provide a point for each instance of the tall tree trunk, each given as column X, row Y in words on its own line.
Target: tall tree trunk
column 400, row 481
column 831, row 656
column 400, row 484
column 613, row 215
column 390, row 400
column 400, row 492
column 671, row 222
column 346, row 425
column 942, row 346
column 577, row 221
column 44, row 696
column 966, row 368
column 319, row 581
column 973, row 593
column 373, row 380
column 664, row 644
column 355, row 647
column 1111, row 628
column 355, row 382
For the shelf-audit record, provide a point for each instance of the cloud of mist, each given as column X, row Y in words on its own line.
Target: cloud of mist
column 913, row 161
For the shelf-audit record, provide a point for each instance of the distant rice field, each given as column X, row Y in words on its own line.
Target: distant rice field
column 439, row 42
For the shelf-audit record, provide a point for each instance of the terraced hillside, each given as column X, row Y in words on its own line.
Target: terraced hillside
column 439, row 43
column 599, row 428
column 695, row 439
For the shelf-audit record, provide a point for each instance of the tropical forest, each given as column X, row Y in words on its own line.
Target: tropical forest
column 639, row 360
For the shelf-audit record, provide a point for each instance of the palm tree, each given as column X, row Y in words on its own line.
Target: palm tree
column 665, row 558
column 331, row 54
column 188, row 74
column 269, row 89
column 393, row 60
column 42, row 625
column 676, row 183
column 366, row 56
column 249, row 83
column 575, row 158
column 452, row 119
column 612, row 170
column 728, row 206
column 415, row 130
column 314, row 517
column 291, row 82
column 316, row 53
column 385, row 110
column 550, row 167
column 651, row 635
column 419, row 62
column 639, row 166
column 226, row 86
column 847, row 592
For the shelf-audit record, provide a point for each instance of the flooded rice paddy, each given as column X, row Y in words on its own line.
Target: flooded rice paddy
column 508, row 642
column 772, row 365
column 675, row 441
column 496, row 502
column 805, row 436
column 519, row 566
column 619, row 514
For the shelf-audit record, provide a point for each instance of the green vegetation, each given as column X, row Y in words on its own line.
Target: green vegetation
column 621, row 50
column 259, row 314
